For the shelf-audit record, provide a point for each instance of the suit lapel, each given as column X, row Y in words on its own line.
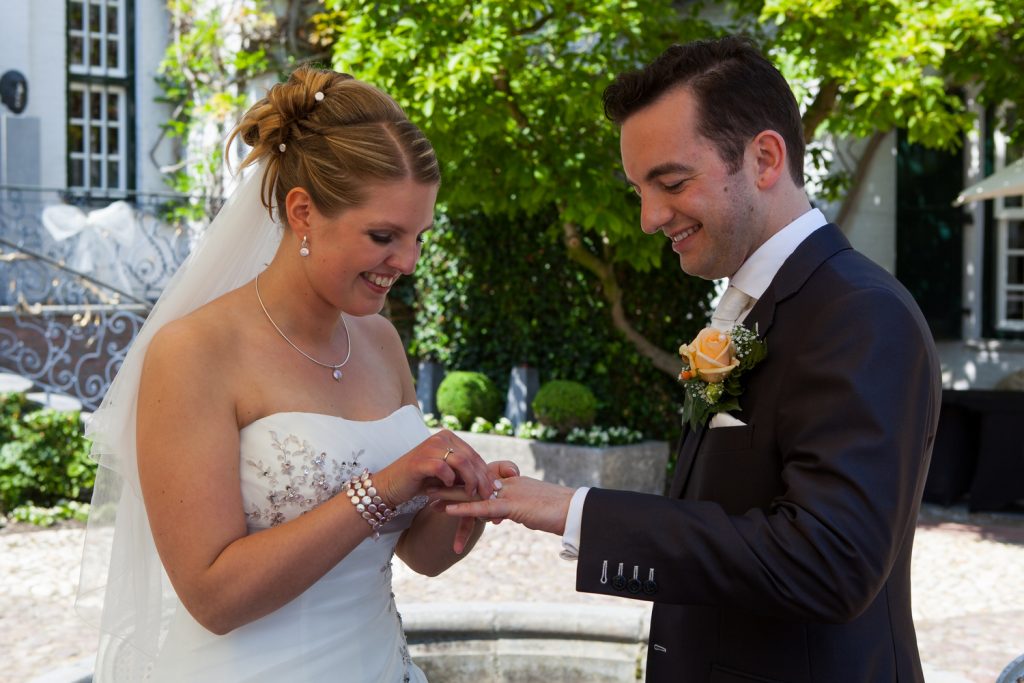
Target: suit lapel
column 821, row 245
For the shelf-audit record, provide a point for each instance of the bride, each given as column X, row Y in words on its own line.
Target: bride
column 261, row 443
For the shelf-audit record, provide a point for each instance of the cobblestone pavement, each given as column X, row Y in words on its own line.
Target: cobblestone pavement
column 968, row 575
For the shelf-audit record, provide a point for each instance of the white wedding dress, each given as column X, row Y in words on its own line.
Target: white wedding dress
column 345, row 626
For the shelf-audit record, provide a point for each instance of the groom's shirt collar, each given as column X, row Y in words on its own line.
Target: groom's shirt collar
column 758, row 271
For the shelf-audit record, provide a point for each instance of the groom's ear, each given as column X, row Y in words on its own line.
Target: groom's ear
column 297, row 206
column 769, row 153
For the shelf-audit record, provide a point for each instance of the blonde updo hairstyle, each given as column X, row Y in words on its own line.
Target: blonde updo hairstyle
column 333, row 147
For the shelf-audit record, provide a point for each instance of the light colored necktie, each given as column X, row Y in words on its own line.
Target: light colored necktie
column 732, row 304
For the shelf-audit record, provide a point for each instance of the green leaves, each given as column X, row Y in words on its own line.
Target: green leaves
column 899, row 63
column 44, row 458
column 510, row 95
column 203, row 77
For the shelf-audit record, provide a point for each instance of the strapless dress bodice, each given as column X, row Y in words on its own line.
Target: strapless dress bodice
column 292, row 462
column 345, row 626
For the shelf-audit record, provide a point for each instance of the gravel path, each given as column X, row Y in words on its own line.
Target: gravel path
column 968, row 574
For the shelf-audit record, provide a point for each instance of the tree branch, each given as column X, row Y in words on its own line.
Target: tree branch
column 605, row 273
column 819, row 110
column 502, row 86
column 535, row 26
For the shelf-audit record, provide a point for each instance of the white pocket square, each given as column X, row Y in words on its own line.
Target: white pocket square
column 725, row 420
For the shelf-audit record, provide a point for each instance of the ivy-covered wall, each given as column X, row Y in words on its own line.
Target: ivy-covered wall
column 491, row 294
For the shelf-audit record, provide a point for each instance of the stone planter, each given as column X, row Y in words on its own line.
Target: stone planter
column 637, row 467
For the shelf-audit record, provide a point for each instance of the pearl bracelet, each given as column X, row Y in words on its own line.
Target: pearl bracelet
column 369, row 504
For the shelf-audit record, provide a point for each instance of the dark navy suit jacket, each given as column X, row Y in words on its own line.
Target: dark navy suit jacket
column 782, row 553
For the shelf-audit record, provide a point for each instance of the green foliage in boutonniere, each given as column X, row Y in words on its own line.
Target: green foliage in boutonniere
column 713, row 364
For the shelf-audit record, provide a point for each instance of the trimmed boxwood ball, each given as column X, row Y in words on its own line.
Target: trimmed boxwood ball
column 468, row 395
column 564, row 404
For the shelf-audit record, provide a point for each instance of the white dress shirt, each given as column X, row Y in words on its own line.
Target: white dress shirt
column 752, row 278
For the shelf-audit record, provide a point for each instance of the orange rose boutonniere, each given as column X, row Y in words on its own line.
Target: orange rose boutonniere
column 712, row 366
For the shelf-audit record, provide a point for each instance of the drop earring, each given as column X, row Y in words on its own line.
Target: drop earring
column 304, row 247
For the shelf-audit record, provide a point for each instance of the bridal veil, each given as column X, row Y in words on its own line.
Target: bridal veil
column 123, row 588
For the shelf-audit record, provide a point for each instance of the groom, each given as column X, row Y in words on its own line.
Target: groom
column 782, row 552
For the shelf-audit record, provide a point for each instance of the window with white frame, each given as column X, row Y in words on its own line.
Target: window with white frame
column 99, row 92
column 1009, row 216
column 1012, row 304
column 97, row 37
column 96, row 136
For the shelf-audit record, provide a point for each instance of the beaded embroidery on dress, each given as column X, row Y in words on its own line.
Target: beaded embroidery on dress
column 290, row 463
column 299, row 480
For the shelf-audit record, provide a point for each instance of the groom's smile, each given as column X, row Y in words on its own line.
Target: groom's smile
column 678, row 237
column 687, row 191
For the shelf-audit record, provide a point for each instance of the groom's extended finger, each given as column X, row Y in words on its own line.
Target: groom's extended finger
column 491, row 508
column 450, row 494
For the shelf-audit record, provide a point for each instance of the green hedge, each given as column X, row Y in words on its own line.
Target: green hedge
column 565, row 405
column 491, row 294
column 44, row 457
column 468, row 395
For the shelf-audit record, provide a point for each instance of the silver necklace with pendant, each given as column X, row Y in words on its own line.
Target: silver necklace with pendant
column 335, row 368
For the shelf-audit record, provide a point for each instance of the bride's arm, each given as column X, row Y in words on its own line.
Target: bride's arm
column 433, row 544
column 427, row 545
column 188, row 456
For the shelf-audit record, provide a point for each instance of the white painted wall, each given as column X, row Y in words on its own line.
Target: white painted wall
column 871, row 227
column 972, row 363
column 34, row 45
column 46, row 35
column 974, row 235
column 151, row 151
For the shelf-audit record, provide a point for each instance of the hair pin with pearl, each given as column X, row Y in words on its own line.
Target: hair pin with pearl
column 319, row 96
column 282, row 147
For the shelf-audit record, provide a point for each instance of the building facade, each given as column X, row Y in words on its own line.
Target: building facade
column 84, row 244
column 964, row 265
column 81, row 124
column 91, row 123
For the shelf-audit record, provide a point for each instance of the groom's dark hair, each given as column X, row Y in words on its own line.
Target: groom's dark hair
column 739, row 94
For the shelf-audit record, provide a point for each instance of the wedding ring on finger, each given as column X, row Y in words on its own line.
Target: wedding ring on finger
column 448, row 452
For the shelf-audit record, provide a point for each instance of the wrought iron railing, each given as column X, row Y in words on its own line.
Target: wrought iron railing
column 78, row 281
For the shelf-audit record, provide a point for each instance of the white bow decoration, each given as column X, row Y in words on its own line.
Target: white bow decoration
column 100, row 232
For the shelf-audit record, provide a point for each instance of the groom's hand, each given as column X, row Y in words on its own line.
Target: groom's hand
column 535, row 504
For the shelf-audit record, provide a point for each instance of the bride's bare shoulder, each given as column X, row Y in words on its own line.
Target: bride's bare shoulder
column 202, row 340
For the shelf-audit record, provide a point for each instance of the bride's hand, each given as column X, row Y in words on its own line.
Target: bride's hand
column 498, row 469
column 442, row 459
